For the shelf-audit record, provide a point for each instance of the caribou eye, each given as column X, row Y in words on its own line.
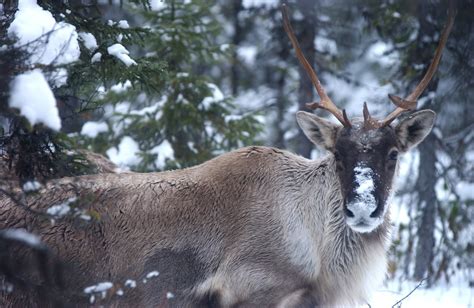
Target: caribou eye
column 393, row 155
column 339, row 164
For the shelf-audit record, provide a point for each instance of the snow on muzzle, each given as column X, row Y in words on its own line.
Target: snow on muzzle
column 362, row 202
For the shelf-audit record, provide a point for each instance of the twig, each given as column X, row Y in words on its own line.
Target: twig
column 417, row 286
column 23, row 205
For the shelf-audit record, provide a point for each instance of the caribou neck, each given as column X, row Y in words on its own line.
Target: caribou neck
column 318, row 234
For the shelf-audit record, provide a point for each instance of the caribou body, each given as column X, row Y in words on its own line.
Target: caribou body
column 256, row 227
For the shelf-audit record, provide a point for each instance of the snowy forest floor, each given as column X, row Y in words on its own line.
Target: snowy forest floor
column 456, row 294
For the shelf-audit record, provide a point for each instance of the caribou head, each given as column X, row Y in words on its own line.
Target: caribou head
column 366, row 149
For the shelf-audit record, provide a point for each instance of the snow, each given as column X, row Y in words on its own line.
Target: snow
column 121, row 53
column 32, row 95
column 364, row 202
column 31, row 186
column 224, row 47
column 408, row 168
column 443, row 193
column 58, row 77
column 365, row 183
column 216, row 96
column 440, row 296
column 247, row 54
column 92, row 129
column 259, row 97
column 152, row 274
column 96, row 57
column 381, row 52
column 101, row 288
column 85, row 217
column 89, row 40
column 59, row 210
column 123, row 24
column 147, row 110
column 164, row 151
column 62, row 209
column 121, row 87
column 465, row 190
column 182, row 100
column 157, row 5
column 48, row 41
column 182, row 74
column 130, row 283
column 126, row 154
column 325, row 45
column 247, row 4
column 232, row 117
column 6, row 286
column 23, row 236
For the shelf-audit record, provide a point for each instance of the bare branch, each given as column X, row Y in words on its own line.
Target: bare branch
column 399, row 303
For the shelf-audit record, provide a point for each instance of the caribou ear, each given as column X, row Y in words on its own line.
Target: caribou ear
column 320, row 131
column 412, row 130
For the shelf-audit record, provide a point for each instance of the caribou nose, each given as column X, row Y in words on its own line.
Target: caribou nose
column 376, row 212
column 349, row 213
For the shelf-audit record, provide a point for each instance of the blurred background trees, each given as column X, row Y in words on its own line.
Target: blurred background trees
column 203, row 77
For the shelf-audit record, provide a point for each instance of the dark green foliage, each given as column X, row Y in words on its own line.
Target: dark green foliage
column 174, row 55
column 29, row 152
column 40, row 153
column 182, row 106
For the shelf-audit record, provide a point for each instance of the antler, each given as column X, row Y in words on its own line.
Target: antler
column 410, row 101
column 326, row 102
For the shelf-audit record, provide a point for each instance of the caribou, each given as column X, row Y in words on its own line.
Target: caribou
column 256, row 227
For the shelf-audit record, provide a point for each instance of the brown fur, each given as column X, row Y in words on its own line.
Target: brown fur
column 256, row 227
column 181, row 217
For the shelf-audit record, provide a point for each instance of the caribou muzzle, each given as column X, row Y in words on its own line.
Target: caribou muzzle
column 363, row 208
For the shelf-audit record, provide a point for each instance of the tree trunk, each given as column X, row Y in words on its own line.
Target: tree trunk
column 236, row 39
column 427, row 199
column 281, row 111
column 427, row 177
column 306, row 37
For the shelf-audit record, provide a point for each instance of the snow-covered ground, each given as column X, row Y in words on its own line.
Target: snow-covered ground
column 457, row 294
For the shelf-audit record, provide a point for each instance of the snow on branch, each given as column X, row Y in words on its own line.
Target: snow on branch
column 121, row 53
column 31, row 94
column 47, row 42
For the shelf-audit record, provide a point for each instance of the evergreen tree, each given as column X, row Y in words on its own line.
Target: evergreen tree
column 183, row 119
column 435, row 252
column 159, row 102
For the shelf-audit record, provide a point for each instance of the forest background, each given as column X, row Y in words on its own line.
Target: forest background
column 157, row 85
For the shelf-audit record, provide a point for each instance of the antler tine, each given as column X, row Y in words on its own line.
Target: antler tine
column 326, row 102
column 410, row 101
column 369, row 122
column 402, row 106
